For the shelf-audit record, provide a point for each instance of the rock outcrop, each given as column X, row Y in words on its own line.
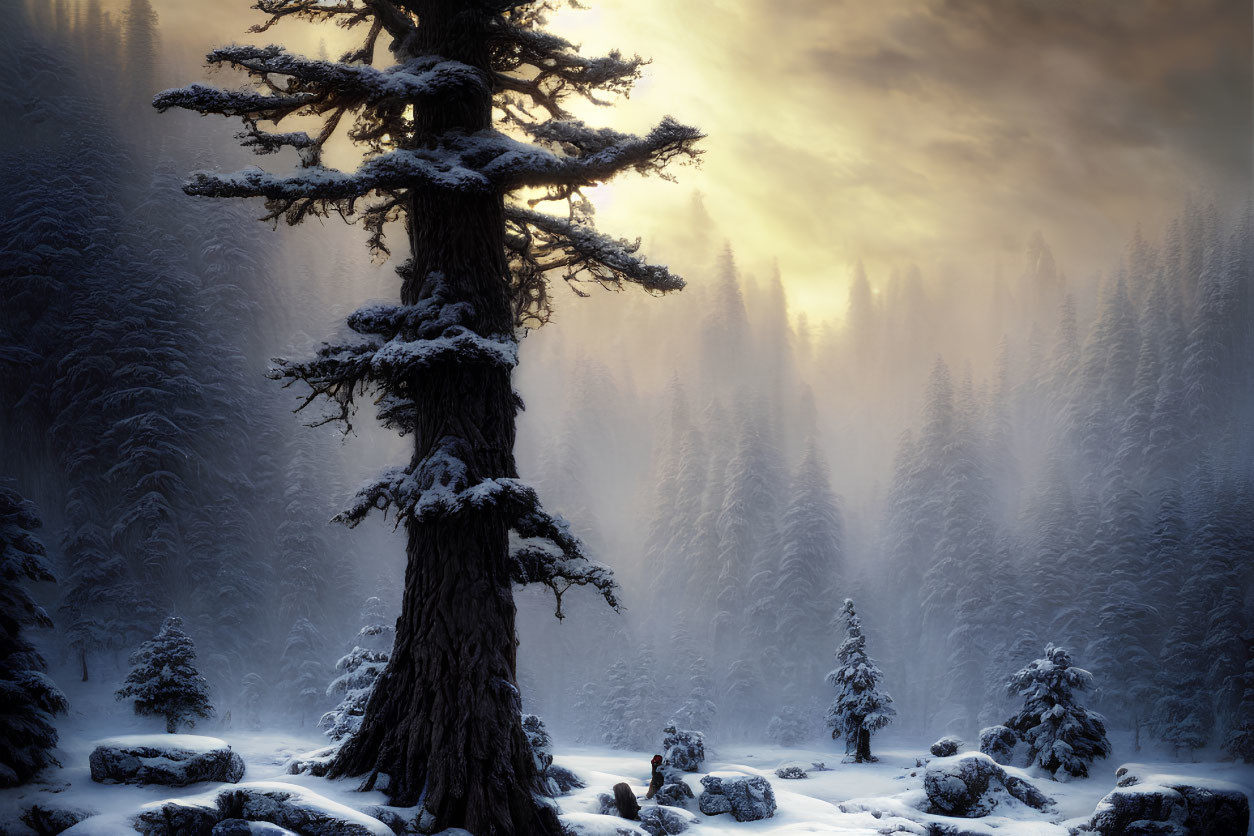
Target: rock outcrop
column 947, row 747
column 1145, row 803
column 174, row 760
column 999, row 742
column 974, row 785
column 791, row 772
column 747, row 798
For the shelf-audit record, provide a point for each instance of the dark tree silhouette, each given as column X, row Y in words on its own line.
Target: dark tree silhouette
column 443, row 722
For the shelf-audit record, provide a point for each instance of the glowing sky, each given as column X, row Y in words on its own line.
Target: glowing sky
column 931, row 130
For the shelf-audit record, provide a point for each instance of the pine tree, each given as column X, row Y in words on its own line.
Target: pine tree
column 29, row 699
column 164, row 681
column 359, row 670
column 1061, row 733
column 860, row 708
column 439, row 363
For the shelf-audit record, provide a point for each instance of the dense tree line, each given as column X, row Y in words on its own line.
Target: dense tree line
column 1077, row 472
column 135, row 328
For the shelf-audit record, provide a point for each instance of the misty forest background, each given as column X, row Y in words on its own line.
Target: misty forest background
column 985, row 460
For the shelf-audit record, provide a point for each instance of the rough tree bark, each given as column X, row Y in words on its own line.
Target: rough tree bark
column 443, row 723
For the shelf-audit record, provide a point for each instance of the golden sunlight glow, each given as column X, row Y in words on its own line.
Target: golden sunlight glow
column 893, row 133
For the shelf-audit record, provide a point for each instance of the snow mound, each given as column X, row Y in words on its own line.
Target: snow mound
column 973, row 785
column 171, row 759
column 1175, row 805
column 595, row 824
column 239, row 827
column 748, row 798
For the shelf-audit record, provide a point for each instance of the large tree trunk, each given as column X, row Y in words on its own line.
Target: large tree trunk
column 444, row 719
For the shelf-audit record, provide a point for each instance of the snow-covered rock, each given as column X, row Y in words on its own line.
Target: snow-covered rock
column 747, row 798
column 298, row 809
column 175, row 818
column 315, row 763
column 974, row 785
column 998, row 742
column 791, row 772
column 683, row 750
column 663, row 821
column 172, row 759
column 1146, row 803
column 674, row 794
column 947, row 747
column 49, row 819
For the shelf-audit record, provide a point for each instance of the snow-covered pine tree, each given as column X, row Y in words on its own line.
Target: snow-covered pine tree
column 860, row 708
column 439, row 363
column 28, row 697
column 164, row 681
column 359, row 669
column 1063, row 735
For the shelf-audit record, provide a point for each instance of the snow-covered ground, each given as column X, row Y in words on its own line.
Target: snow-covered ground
column 847, row 799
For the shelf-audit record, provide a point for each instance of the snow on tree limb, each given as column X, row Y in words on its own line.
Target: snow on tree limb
column 205, row 99
column 544, row 550
column 423, row 78
column 340, row 373
column 582, row 249
column 437, row 486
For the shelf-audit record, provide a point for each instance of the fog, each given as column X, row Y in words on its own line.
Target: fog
column 990, row 379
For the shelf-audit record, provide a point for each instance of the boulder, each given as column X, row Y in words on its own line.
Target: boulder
column 561, row 780
column 948, row 746
column 662, row 821
column 176, row 818
column 297, row 809
column 674, row 794
column 973, row 785
column 1145, row 804
column 49, row 820
column 747, row 798
column 791, row 772
column 998, row 742
column 174, row 760
column 683, row 750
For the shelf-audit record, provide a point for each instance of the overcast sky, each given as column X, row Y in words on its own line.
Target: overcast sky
column 928, row 130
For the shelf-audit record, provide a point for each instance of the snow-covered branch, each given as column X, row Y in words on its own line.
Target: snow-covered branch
column 348, row 13
column 439, row 485
column 423, row 78
column 259, row 106
column 547, row 69
column 539, row 244
column 341, row 373
column 545, row 551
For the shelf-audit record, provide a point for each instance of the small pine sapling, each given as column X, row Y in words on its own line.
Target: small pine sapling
column 860, row 708
column 164, row 681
